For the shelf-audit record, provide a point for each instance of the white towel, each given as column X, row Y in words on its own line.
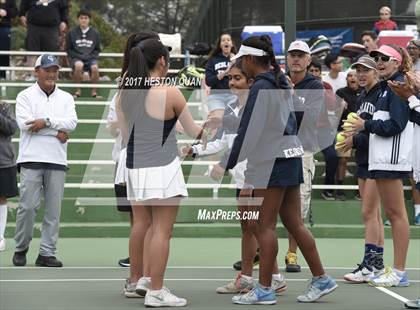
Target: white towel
column 416, row 153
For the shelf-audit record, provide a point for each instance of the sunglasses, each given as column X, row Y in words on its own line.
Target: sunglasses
column 412, row 47
column 383, row 58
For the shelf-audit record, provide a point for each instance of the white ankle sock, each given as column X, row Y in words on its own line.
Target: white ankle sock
column 278, row 277
column 398, row 272
column 154, row 292
column 248, row 278
column 3, row 220
column 265, row 287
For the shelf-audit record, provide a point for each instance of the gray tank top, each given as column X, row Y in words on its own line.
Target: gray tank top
column 152, row 142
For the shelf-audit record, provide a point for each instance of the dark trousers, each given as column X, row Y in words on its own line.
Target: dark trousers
column 331, row 164
column 39, row 38
column 5, row 39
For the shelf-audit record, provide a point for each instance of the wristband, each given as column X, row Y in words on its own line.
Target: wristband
column 413, row 102
column 194, row 150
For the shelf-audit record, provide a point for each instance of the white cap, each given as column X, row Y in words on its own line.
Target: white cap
column 248, row 50
column 299, row 46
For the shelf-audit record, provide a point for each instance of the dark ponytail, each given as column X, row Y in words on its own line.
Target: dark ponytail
column 141, row 61
column 267, row 40
column 264, row 43
column 138, row 68
column 132, row 41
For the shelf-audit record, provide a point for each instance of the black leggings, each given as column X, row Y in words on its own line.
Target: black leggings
column 331, row 164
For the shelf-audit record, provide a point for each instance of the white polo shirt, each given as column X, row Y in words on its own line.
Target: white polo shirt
column 43, row 146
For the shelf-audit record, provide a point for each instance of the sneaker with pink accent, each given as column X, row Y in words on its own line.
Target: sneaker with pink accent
column 241, row 284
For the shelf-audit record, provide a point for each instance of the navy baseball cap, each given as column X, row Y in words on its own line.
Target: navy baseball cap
column 46, row 61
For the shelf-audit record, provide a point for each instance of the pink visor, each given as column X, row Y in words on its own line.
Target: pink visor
column 387, row 51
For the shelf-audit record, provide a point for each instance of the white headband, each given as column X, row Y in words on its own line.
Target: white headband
column 248, row 50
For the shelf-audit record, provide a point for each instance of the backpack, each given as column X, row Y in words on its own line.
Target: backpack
column 199, row 48
column 191, row 76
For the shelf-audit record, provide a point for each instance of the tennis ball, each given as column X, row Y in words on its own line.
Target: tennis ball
column 347, row 126
column 340, row 137
column 352, row 116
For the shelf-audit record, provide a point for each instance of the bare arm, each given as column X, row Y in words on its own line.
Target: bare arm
column 183, row 113
column 122, row 123
column 112, row 119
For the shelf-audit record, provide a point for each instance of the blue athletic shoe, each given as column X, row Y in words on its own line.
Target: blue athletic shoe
column 318, row 288
column 417, row 220
column 257, row 296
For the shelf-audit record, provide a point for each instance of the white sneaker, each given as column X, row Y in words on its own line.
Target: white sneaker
column 278, row 286
column 163, row 298
column 360, row 275
column 241, row 284
column 390, row 278
column 378, row 272
column 130, row 290
column 317, row 288
column 2, row 244
column 143, row 285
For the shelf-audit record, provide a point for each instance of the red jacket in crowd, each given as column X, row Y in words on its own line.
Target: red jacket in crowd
column 388, row 25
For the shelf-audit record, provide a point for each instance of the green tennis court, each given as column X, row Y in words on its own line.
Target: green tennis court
column 94, row 236
column 91, row 280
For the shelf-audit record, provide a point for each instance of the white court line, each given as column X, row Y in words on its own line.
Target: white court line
column 110, row 280
column 182, row 267
column 392, row 294
column 191, row 279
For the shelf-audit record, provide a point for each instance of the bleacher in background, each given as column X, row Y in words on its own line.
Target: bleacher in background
column 88, row 207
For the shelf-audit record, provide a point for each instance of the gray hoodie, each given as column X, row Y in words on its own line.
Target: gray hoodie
column 8, row 128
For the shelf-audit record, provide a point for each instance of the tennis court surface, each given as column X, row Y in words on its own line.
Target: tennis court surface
column 91, row 279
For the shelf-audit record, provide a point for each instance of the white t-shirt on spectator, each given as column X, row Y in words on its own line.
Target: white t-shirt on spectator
column 337, row 83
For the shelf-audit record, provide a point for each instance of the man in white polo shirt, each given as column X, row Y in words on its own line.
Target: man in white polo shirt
column 45, row 115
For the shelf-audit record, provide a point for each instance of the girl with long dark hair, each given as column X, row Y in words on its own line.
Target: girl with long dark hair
column 217, row 70
column 267, row 138
column 139, row 271
column 155, row 183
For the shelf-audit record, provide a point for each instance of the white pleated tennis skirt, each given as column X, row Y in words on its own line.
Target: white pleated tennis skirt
column 156, row 182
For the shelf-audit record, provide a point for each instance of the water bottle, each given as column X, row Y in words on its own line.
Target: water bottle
column 187, row 59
